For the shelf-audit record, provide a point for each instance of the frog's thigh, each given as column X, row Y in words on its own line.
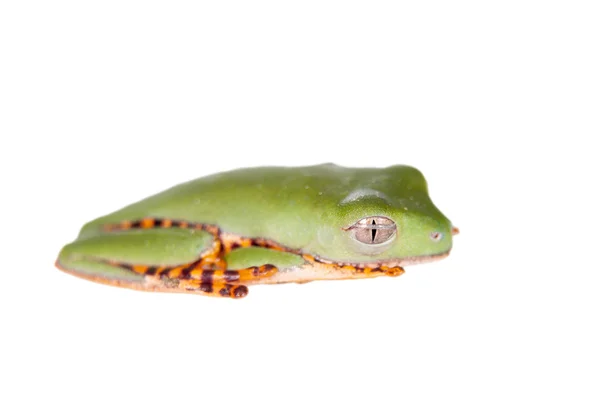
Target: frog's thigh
column 90, row 257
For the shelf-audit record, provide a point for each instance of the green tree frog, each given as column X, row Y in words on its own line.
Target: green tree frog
column 217, row 234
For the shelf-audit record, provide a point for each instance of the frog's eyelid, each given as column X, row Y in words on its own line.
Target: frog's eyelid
column 367, row 223
column 362, row 193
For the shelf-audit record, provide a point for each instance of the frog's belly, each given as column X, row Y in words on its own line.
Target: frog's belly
column 307, row 273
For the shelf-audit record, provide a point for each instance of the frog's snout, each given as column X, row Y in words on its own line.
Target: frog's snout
column 455, row 231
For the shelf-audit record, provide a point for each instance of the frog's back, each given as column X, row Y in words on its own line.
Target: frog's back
column 264, row 201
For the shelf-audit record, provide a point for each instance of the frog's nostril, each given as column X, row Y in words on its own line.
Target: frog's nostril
column 436, row 236
column 455, row 230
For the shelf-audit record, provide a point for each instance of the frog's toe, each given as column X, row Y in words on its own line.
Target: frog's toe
column 216, row 289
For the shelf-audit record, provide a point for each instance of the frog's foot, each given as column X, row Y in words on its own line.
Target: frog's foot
column 198, row 271
column 197, row 277
column 221, row 283
column 214, row 289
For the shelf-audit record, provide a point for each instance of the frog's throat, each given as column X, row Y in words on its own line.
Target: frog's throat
column 394, row 262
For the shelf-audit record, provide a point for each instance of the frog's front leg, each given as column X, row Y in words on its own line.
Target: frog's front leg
column 331, row 270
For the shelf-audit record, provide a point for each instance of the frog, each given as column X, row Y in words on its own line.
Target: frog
column 218, row 234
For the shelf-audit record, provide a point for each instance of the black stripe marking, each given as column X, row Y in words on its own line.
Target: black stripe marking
column 185, row 273
column 231, row 276
column 207, row 276
column 206, row 287
column 157, row 221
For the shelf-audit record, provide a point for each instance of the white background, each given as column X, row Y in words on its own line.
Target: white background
column 103, row 103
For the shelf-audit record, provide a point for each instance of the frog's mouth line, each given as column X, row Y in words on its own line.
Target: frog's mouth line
column 397, row 262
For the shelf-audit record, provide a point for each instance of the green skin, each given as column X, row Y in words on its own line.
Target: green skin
column 305, row 208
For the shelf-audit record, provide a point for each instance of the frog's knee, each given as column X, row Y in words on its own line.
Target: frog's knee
column 75, row 261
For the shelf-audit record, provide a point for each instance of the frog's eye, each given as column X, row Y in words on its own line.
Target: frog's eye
column 373, row 230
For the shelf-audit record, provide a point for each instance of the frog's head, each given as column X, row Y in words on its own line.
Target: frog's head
column 390, row 219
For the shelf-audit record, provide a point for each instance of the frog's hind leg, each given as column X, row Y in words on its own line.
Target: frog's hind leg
column 151, row 223
column 126, row 254
column 97, row 258
column 213, row 257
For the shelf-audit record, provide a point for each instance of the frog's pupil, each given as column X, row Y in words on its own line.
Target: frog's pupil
column 373, row 231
